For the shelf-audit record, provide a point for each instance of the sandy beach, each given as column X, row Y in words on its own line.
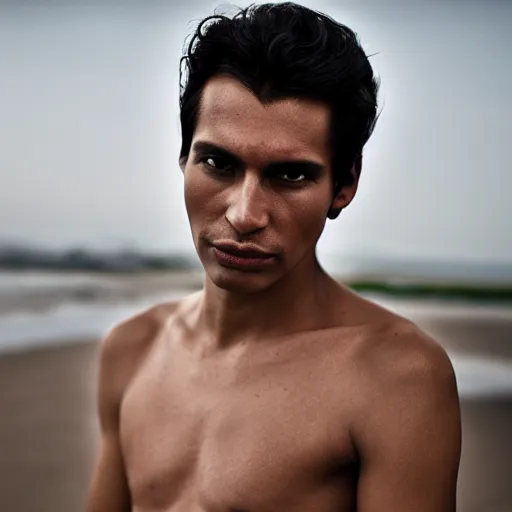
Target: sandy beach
column 48, row 425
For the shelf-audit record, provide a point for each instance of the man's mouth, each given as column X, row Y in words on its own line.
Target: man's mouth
column 242, row 256
column 243, row 250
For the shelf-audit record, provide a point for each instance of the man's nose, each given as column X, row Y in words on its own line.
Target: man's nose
column 247, row 210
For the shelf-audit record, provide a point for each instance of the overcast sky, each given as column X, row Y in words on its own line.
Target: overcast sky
column 89, row 134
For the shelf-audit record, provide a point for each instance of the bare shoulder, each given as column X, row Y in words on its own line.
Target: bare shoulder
column 392, row 349
column 125, row 347
column 409, row 385
column 400, row 354
column 405, row 421
column 396, row 361
column 131, row 337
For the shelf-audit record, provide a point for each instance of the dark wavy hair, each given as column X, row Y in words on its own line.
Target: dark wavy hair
column 280, row 51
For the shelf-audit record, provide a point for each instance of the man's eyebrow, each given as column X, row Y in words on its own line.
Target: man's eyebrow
column 307, row 166
column 278, row 166
column 208, row 147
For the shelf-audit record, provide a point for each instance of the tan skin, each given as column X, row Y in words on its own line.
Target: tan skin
column 278, row 389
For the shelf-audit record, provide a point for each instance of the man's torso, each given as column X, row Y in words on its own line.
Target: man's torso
column 263, row 426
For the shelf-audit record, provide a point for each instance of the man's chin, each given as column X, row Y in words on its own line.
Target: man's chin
column 237, row 281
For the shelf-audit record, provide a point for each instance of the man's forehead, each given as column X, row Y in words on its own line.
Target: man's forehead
column 225, row 95
column 230, row 111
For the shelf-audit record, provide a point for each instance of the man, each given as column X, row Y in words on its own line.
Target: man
column 274, row 388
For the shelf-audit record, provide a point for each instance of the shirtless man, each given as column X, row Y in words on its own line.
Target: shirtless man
column 274, row 389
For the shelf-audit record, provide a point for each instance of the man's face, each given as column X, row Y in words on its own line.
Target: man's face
column 257, row 176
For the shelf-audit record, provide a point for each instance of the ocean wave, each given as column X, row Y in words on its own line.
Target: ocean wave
column 71, row 321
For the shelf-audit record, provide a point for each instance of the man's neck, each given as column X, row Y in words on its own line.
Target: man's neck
column 298, row 302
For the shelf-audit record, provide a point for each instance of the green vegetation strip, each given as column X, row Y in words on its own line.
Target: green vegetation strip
column 448, row 291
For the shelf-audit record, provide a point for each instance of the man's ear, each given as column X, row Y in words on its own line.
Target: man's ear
column 345, row 195
column 183, row 163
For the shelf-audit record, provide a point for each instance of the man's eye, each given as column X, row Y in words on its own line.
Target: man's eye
column 293, row 177
column 218, row 165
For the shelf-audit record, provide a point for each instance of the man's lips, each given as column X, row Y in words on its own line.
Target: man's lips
column 248, row 250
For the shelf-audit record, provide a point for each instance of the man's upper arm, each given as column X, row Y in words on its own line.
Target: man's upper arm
column 120, row 356
column 410, row 438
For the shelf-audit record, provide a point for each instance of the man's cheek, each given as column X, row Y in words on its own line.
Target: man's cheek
column 202, row 213
column 194, row 203
column 310, row 225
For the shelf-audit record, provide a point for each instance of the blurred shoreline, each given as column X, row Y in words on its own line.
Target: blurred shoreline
column 43, row 290
column 41, row 294
column 463, row 280
column 44, row 309
column 36, row 289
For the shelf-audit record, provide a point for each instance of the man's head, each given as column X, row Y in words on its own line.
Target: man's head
column 278, row 103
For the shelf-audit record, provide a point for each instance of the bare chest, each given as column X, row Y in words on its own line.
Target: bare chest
column 267, row 438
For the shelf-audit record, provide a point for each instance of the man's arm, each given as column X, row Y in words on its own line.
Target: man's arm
column 121, row 354
column 409, row 435
column 109, row 490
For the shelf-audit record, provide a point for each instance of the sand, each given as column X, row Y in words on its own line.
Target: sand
column 48, row 433
column 49, row 436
